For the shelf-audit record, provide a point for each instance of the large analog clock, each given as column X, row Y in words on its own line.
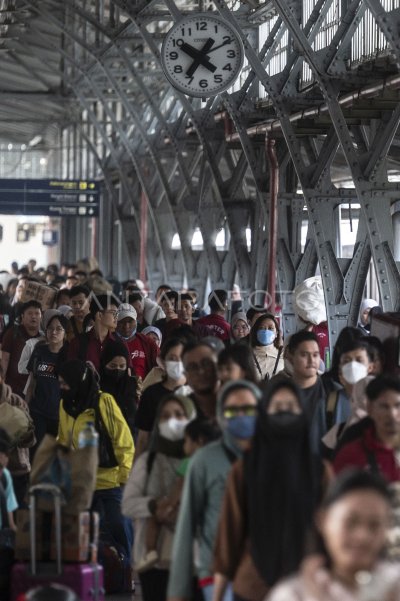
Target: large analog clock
column 202, row 55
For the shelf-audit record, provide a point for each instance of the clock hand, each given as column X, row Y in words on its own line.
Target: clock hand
column 220, row 46
column 199, row 56
column 201, row 59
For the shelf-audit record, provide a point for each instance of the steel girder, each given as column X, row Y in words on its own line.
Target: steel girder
column 136, row 120
column 199, row 123
column 209, row 242
column 340, row 307
column 227, row 178
column 80, row 95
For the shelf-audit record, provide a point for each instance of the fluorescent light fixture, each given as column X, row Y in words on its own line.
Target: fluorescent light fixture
column 35, row 141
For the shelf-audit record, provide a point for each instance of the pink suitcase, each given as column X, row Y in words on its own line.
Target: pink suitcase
column 86, row 580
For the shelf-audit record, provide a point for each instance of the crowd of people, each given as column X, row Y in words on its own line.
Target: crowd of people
column 239, row 466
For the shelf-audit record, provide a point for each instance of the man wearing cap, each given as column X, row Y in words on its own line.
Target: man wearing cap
column 142, row 350
column 89, row 346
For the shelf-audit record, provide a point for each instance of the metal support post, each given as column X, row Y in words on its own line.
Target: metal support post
column 273, row 218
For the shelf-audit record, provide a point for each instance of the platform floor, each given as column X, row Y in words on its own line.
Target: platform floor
column 136, row 596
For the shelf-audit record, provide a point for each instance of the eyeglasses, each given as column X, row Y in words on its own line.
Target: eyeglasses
column 111, row 312
column 204, row 365
column 58, row 329
column 241, row 328
column 235, row 410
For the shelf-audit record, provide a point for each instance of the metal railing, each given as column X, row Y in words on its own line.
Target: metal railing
column 368, row 42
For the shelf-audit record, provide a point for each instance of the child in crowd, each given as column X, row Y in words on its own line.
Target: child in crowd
column 198, row 433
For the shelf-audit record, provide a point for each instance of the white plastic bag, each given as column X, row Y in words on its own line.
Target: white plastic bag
column 309, row 300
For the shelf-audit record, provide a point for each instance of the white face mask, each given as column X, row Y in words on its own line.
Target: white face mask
column 174, row 369
column 173, row 429
column 354, row 371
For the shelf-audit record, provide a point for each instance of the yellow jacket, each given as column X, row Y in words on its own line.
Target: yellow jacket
column 123, row 445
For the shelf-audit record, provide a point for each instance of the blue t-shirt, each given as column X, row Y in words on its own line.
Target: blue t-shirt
column 11, row 500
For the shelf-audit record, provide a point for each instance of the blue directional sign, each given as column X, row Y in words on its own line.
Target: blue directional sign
column 51, row 197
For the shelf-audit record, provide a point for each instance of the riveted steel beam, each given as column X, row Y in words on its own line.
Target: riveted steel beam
column 107, row 111
column 381, row 251
column 329, row 92
column 118, row 45
column 93, row 118
column 131, row 249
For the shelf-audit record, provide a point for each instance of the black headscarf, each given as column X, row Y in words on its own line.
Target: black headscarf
column 281, row 479
column 83, row 384
column 124, row 389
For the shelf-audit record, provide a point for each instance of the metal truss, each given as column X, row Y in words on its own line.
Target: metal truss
column 331, row 104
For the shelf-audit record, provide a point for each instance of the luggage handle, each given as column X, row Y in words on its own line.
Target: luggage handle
column 56, row 494
column 96, row 591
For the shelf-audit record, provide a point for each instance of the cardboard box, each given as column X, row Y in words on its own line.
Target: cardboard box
column 79, row 536
column 40, row 292
column 22, row 538
column 79, row 533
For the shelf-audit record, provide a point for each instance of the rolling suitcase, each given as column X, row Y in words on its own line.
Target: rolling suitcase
column 86, row 580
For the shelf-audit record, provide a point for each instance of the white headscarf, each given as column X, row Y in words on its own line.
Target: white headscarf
column 367, row 303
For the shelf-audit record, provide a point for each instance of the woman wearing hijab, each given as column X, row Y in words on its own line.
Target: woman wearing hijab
column 83, row 403
column 269, row 500
column 115, row 379
column 239, row 327
column 154, row 334
column 150, row 483
column 363, row 320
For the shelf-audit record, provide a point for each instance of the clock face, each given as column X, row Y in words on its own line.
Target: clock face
column 202, row 55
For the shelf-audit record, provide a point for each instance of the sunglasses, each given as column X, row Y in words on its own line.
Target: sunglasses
column 234, row 411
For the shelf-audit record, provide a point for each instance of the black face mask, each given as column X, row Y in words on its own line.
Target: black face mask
column 286, row 423
column 115, row 374
column 67, row 395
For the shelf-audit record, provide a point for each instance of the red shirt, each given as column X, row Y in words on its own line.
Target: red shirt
column 217, row 325
column 13, row 343
column 355, row 454
column 87, row 347
column 321, row 332
column 143, row 354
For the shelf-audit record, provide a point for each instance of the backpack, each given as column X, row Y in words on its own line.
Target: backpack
column 331, row 404
column 116, row 565
column 15, row 422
